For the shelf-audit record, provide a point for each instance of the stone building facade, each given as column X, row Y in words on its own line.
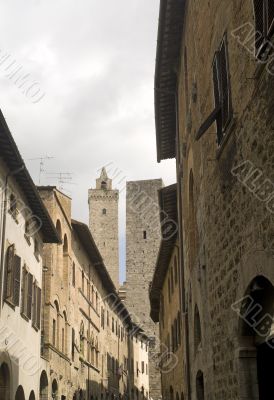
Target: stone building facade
column 165, row 298
column 87, row 328
column 25, row 226
column 103, row 222
column 213, row 105
column 142, row 244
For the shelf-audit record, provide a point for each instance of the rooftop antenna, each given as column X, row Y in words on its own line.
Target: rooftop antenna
column 64, row 178
column 42, row 164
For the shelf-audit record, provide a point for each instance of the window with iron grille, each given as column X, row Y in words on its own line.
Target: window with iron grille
column 222, row 113
column 264, row 26
column 12, row 277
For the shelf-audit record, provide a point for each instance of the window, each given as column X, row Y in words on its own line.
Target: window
column 13, row 206
column 222, row 113
column 144, row 234
column 104, row 212
column 73, row 274
column 12, row 277
column 36, row 306
column 112, row 325
column 102, row 318
column 143, row 367
column 83, row 282
column 54, row 332
column 197, row 329
column 137, row 368
column 103, row 185
column 72, row 343
column 264, row 23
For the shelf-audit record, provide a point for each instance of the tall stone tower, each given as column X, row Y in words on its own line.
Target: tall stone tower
column 143, row 238
column 103, row 222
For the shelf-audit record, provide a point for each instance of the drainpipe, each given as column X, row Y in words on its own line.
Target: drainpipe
column 181, row 249
column 4, row 219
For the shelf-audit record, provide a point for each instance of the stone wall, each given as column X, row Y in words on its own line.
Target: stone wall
column 227, row 219
column 142, row 245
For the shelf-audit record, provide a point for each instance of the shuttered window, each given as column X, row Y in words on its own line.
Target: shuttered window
column 29, row 302
column 72, row 343
column 12, row 277
column 222, row 113
column 264, row 24
column 36, row 306
column 24, row 298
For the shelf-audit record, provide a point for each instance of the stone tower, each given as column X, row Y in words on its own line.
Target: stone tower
column 142, row 244
column 103, row 222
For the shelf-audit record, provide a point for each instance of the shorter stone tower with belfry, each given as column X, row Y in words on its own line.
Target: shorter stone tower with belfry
column 103, row 222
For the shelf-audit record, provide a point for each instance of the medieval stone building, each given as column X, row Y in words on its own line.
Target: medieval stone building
column 214, row 114
column 103, row 222
column 142, row 244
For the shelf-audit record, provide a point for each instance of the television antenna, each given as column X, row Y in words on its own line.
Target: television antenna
column 42, row 164
column 64, row 178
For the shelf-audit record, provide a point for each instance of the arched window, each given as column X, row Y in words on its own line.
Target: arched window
column 56, row 325
column 44, row 383
column 4, row 382
column 32, row 395
column 65, row 261
column 171, row 393
column 82, row 339
column 103, row 185
column 197, row 330
column 200, row 390
column 73, row 274
column 104, row 211
column 192, row 231
column 54, row 389
column 20, row 395
column 58, row 228
column 64, row 333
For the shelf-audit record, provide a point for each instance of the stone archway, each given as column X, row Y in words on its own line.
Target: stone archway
column 20, row 395
column 4, row 382
column 256, row 338
column 44, row 386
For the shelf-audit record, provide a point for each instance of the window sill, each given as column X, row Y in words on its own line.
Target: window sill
column 10, row 304
column 24, row 317
column 226, row 137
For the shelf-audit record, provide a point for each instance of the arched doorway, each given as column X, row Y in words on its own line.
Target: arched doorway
column 200, row 390
column 44, row 391
column 256, row 361
column 20, row 395
column 32, row 395
column 4, row 382
column 54, row 389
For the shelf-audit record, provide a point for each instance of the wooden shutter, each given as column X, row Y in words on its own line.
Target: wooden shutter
column 29, row 302
column 39, row 292
column 16, row 279
column 270, row 17
column 8, row 273
column 34, row 304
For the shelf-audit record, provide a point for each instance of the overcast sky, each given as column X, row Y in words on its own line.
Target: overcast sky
column 93, row 62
